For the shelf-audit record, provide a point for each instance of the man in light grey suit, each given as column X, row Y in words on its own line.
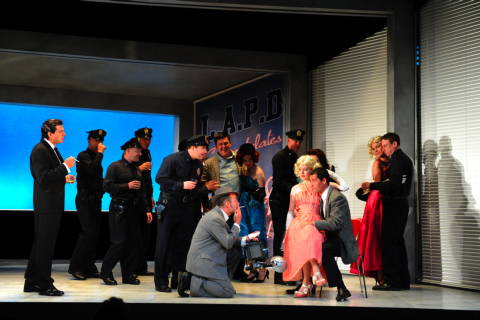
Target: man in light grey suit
column 337, row 223
column 215, row 249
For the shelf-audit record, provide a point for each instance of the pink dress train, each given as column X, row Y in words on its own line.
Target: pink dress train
column 303, row 242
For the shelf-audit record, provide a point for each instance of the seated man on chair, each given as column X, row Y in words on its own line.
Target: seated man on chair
column 215, row 249
column 336, row 221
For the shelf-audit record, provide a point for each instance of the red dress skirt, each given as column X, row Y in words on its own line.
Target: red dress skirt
column 369, row 236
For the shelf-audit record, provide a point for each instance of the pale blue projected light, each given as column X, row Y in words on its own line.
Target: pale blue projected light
column 20, row 131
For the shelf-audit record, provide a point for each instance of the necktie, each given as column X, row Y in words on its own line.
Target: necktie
column 57, row 153
column 321, row 209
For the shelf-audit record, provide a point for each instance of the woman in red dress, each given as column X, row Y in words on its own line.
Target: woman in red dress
column 371, row 227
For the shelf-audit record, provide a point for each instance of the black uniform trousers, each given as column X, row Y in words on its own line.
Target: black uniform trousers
column 394, row 252
column 279, row 204
column 89, row 208
column 39, row 268
column 176, row 225
column 146, row 231
column 330, row 250
column 124, row 237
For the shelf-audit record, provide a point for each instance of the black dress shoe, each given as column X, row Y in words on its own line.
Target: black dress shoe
column 109, row 281
column 184, row 279
column 385, row 287
column 292, row 291
column 163, row 288
column 51, row 292
column 131, row 280
column 343, row 294
column 31, row 287
column 79, row 275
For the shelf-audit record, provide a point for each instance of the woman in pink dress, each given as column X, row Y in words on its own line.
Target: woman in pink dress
column 371, row 227
column 303, row 242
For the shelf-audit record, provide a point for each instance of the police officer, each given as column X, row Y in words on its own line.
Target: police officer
column 395, row 191
column 283, row 180
column 181, row 194
column 89, row 206
column 125, row 184
column 144, row 136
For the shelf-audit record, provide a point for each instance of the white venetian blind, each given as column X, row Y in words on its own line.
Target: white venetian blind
column 450, row 137
column 349, row 103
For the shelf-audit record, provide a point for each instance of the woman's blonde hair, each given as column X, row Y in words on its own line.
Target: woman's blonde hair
column 308, row 161
column 376, row 139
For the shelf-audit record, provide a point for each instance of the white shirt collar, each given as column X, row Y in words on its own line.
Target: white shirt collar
column 225, row 216
column 49, row 143
column 324, row 198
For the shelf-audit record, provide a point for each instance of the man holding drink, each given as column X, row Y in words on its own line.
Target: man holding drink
column 125, row 184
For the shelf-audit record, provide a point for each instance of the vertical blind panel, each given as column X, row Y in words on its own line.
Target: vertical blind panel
column 450, row 136
column 349, row 104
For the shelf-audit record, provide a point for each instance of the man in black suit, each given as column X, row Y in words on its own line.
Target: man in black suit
column 50, row 173
column 395, row 191
column 89, row 206
column 283, row 180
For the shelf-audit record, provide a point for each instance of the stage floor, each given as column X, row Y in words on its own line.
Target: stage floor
column 267, row 294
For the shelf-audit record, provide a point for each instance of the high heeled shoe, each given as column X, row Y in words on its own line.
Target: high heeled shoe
column 250, row 277
column 259, row 278
column 318, row 280
column 304, row 291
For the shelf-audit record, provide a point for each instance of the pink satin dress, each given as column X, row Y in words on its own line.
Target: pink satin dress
column 303, row 242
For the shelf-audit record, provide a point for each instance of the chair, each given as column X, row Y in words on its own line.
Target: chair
column 356, row 224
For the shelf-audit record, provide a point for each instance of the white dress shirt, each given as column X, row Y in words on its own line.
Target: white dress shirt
column 53, row 148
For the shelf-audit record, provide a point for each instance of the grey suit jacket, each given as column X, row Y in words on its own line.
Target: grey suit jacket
column 207, row 257
column 337, row 218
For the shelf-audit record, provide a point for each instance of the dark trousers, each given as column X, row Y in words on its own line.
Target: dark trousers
column 39, row 268
column 144, row 243
column 89, row 208
column 124, row 237
column 332, row 249
column 279, row 208
column 176, row 225
column 394, row 252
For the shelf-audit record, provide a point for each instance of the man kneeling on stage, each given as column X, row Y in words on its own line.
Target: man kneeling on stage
column 215, row 250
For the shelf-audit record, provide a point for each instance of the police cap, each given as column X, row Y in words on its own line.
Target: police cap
column 132, row 143
column 144, row 133
column 98, row 134
column 296, row 134
column 198, row 140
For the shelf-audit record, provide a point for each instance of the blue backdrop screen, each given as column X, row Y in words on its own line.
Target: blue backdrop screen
column 20, row 131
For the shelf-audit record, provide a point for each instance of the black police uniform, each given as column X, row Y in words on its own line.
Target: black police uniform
column 182, row 212
column 146, row 229
column 89, row 208
column 283, row 181
column 395, row 193
column 125, row 207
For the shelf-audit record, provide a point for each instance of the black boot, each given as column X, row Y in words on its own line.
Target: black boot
column 342, row 293
column 184, row 279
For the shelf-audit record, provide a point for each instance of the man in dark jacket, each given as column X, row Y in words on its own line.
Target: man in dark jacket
column 144, row 136
column 337, row 223
column 50, row 173
column 395, row 191
column 283, row 180
column 181, row 195
column 125, row 185
column 89, row 206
